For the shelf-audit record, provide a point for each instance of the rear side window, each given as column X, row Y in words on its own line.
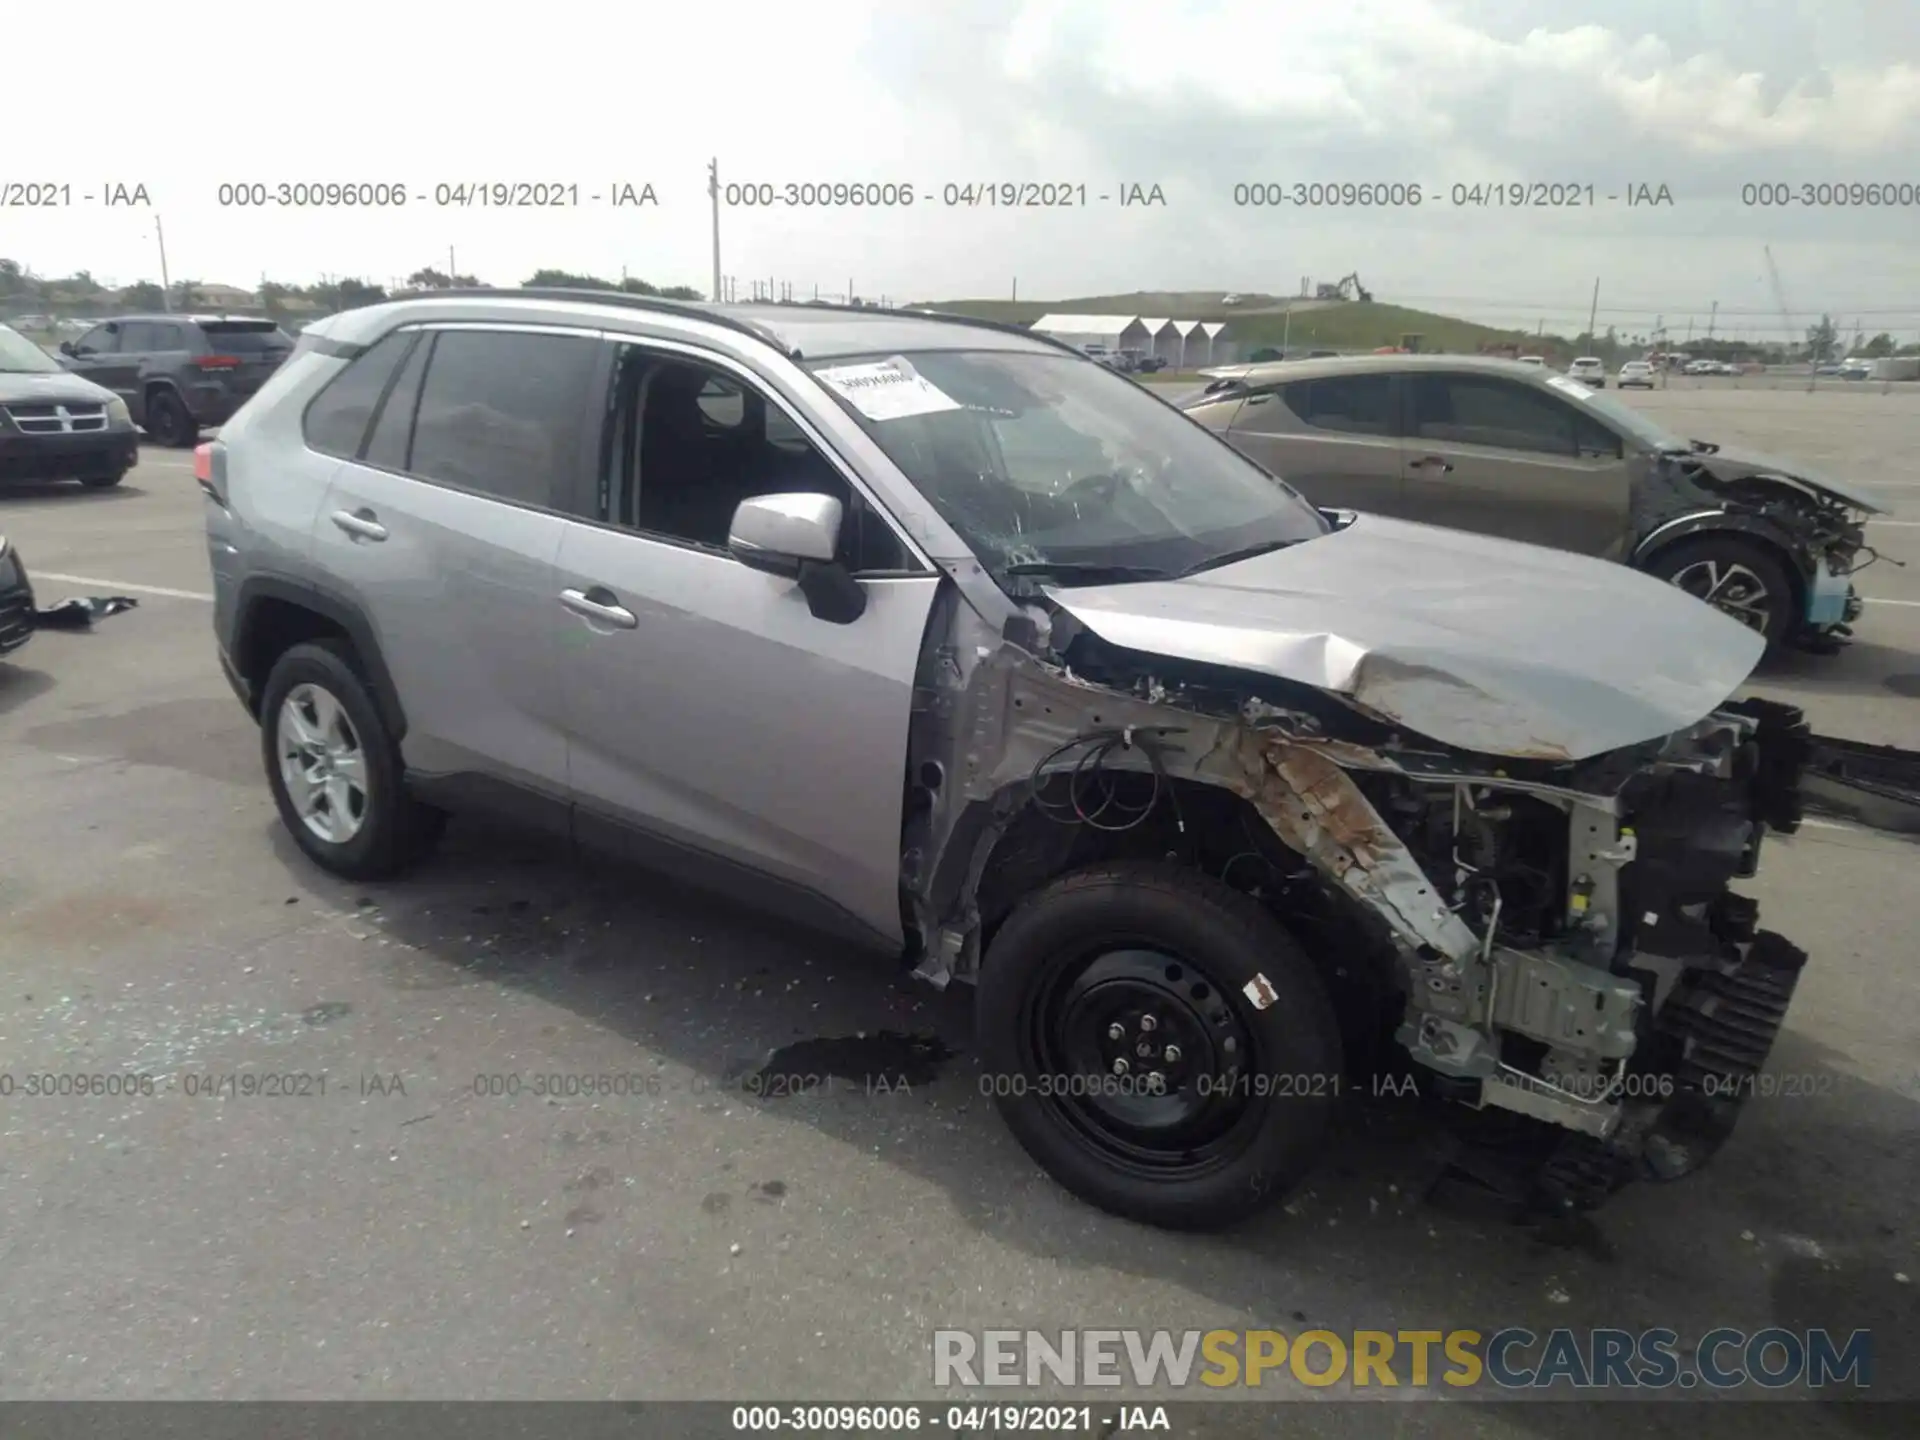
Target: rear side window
column 1351, row 404
column 336, row 421
column 503, row 413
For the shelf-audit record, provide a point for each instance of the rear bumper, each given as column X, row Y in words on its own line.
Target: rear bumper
column 29, row 458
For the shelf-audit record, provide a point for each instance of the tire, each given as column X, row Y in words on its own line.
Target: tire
column 1112, row 946
column 103, row 482
column 387, row 830
column 168, row 421
column 1764, row 600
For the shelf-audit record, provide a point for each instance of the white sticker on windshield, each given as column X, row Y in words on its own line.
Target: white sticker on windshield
column 887, row 390
column 1572, row 387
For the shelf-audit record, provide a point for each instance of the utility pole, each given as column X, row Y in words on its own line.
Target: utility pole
column 166, row 285
column 1016, row 289
column 1593, row 313
column 713, row 190
column 1711, row 314
column 452, row 269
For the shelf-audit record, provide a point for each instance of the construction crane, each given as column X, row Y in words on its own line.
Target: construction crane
column 1779, row 296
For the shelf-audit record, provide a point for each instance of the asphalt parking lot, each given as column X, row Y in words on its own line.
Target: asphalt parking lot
column 404, row 1235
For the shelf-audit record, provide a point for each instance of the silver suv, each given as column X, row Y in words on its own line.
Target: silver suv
column 943, row 638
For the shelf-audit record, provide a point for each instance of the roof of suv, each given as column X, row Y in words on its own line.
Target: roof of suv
column 803, row 331
column 1278, row 371
column 178, row 319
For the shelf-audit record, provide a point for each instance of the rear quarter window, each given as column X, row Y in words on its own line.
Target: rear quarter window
column 336, row 420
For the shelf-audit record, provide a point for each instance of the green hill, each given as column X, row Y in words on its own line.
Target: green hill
column 1339, row 325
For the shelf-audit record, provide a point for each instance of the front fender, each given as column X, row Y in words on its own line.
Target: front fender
column 1723, row 522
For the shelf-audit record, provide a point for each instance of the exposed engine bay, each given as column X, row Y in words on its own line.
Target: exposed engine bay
column 1554, row 941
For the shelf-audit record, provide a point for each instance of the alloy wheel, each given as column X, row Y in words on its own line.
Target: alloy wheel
column 322, row 764
column 1730, row 588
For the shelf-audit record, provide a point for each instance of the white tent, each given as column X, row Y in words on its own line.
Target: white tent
column 1156, row 331
column 1115, row 332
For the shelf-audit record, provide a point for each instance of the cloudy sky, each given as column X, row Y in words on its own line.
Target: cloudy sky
column 1703, row 97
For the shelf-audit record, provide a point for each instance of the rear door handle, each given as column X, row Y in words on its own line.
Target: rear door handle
column 360, row 523
column 600, row 604
column 1433, row 462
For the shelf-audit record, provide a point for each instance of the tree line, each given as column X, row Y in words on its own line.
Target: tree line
column 80, row 294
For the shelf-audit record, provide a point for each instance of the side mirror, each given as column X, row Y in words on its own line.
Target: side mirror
column 797, row 536
column 66, row 348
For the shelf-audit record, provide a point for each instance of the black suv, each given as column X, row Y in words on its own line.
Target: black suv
column 179, row 373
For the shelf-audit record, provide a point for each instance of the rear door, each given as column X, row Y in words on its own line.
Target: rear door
column 719, row 728
column 444, row 525
column 1333, row 438
column 1503, row 457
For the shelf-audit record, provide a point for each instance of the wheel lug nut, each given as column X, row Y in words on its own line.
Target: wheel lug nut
column 1116, row 1031
column 1147, row 1022
column 1119, row 1067
column 1172, row 1054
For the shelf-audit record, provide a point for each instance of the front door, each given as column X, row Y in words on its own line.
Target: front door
column 1331, row 438
column 717, row 726
column 97, row 356
column 1502, row 457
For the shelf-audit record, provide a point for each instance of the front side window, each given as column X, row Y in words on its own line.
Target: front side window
column 101, row 340
column 693, row 441
column 1042, row 463
column 1501, row 414
column 137, row 337
column 503, row 413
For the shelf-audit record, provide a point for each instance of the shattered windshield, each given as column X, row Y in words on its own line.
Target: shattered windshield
column 1045, row 464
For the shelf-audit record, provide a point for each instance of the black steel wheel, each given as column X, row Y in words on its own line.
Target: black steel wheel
column 1159, row 1044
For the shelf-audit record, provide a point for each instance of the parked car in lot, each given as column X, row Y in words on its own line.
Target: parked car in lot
column 1589, row 370
column 1139, row 362
column 1636, row 374
column 1508, row 450
column 1702, row 367
column 179, row 373
column 1533, row 360
column 937, row 636
column 1856, row 368
column 56, row 426
column 16, row 600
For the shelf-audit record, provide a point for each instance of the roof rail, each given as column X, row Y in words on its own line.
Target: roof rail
column 692, row 310
column 945, row 316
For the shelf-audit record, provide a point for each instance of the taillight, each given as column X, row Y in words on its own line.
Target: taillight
column 210, row 471
column 217, row 362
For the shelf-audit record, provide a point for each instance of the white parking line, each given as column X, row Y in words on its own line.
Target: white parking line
column 1893, row 524
column 115, row 586
column 1871, row 600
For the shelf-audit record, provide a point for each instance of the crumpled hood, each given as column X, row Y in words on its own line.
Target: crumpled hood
column 54, row 388
column 1483, row 644
column 1732, row 463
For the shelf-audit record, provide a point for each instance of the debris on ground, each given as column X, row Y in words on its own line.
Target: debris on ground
column 80, row 613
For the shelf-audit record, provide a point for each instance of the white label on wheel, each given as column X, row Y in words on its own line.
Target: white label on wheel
column 887, row 389
column 1260, row 991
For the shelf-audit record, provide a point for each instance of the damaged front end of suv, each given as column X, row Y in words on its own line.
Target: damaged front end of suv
column 1539, row 925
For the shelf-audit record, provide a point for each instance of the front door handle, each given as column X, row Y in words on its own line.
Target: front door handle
column 600, row 604
column 360, row 524
column 1433, row 462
